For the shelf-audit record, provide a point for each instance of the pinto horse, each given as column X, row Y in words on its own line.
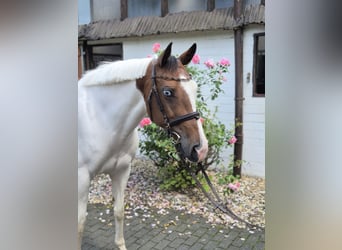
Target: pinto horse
column 112, row 99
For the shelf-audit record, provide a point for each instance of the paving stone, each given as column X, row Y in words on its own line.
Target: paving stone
column 196, row 246
column 148, row 246
column 162, row 244
column 141, row 234
column 182, row 228
column 211, row 245
column 246, row 247
column 226, row 242
column 183, row 247
column 259, row 246
column 200, row 232
column 233, row 234
column 219, row 237
column 192, row 240
column 158, row 237
column 252, row 239
column 133, row 247
column 233, row 248
column 238, row 242
column 172, row 236
column 143, row 240
column 130, row 240
column 176, row 243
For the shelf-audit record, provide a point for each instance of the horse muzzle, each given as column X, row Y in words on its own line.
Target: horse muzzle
column 193, row 152
column 202, row 151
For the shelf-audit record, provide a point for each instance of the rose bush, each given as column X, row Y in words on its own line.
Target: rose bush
column 156, row 145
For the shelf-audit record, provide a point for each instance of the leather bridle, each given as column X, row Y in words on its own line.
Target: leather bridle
column 167, row 122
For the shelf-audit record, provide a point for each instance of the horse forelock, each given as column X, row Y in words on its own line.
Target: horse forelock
column 116, row 72
column 171, row 64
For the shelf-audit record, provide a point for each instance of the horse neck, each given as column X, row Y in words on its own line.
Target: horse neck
column 116, row 109
column 112, row 88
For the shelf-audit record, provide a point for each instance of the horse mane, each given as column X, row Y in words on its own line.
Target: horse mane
column 115, row 72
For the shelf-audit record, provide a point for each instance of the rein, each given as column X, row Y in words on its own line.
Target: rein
column 176, row 121
column 215, row 198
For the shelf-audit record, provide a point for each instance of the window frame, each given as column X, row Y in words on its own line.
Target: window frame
column 255, row 55
column 90, row 54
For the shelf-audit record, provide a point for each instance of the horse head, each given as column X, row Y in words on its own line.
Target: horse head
column 170, row 98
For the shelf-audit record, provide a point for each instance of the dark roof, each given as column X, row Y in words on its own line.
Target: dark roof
column 218, row 19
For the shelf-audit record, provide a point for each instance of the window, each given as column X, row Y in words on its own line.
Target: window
column 224, row 4
column 188, row 5
column 252, row 2
column 259, row 65
column 104, row 9
column 101, row 53
column 144, row 8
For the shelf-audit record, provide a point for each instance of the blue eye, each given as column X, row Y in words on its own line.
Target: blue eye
column 167, row 92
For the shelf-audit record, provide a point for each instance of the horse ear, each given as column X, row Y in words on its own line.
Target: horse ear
column 186, row 57
column 162, row 59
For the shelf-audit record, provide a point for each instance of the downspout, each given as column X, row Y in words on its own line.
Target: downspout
column 238, row 53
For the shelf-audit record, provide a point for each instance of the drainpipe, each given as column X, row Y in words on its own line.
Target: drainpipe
column 238, row 51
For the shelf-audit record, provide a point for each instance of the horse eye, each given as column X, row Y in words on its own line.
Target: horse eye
column 167, row 92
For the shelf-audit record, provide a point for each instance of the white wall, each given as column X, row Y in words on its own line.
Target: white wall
column 217, row 45
column 254, row 112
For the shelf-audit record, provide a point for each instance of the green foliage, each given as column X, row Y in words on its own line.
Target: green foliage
column 156, row 145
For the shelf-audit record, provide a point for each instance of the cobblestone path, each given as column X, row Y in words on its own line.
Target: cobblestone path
column 165, row 229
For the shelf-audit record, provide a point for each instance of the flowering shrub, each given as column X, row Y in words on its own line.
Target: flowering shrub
column 159, row 148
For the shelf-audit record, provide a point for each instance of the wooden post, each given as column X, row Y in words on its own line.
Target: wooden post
column 89, row 55
column 238, row 43
column 79, row 62
column 210, row 5
column 164, row 7
column 124, row 9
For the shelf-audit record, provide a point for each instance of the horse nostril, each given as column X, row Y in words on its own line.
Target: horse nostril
column 194, row 154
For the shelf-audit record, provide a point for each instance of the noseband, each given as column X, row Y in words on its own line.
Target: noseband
column 168, row 123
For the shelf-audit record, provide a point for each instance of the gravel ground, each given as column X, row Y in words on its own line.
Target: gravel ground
column 143, row 193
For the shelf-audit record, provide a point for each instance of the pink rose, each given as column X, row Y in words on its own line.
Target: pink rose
column 209, row 63
column 232, row 186
column 196, row 59
column 144, row 122
column 224, row 62
column 232, row 140
column 156, row 47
